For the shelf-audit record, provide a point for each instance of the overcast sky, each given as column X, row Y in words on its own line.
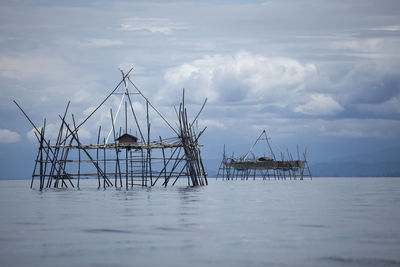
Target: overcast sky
column 321, row 74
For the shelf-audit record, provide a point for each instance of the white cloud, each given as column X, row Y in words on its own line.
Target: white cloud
column 211, row 123
column 380, row 50
column 98, row 42
column 154, row 25
column 21, row 66
column 52, row 130
column 320, row 104
column 361, row 45
column 7, row 136
column 387, row 28
column 50, row 133
column 85, row 134
column 44, row 98
column 239, row 77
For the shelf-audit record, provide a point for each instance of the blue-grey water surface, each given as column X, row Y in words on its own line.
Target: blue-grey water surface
column 319, row 222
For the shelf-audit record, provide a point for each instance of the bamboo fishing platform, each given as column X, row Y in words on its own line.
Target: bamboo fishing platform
column 264, row 167
column 125, row 160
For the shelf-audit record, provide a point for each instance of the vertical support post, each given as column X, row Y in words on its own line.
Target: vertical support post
column 165, row 164
column 148, row 144
column 97, row 155
column 47, row 161
column 62, row 162
column 49, row 148
column 126, row 118
column 126, row 167
column 42, row 168
column 144, row 166
column 55, row 154
column 224, row 164
column 86, row 152
column 117, row 166
column 36, row 163
column 131, row 171
column 79, row 151
column 79, row 166
column 41, row 159
column 105, row 163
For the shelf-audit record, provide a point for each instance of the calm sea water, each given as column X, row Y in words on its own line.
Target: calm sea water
column 323, row 222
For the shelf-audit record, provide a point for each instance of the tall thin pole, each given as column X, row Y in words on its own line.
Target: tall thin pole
column 165, row 164
column 162, row 117
column 47, row 143
column 131, row 170
column 102, row 102
column 79, row 153
column 126, row 167
column 148, row 144
column 41, row 158
column 86, row 152
column 104, row 160
column 97, row 155
column 117, row 166
column 126, row 118
column 34, row 169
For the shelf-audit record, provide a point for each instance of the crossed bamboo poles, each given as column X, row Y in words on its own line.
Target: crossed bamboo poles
column 184, row 159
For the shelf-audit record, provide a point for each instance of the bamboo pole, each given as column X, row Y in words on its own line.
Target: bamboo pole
column 87, row 153
column 47, row 154
column 117, row 166
column 198, row 114
column 162, row 117
column 104, row 160
column 134, row 116
column 45, row 141
column 165, row 168
column 165, row 164
column 97, row 156
column 41, row 158
column 179, row 175
column 34, row 168
column 104, row 100
column 126, row 167
column 79, row 152
column 62, row 160
column 131, row 161
column 143, row 167
column 176, row 163
column 148, row 144
column 57, row 150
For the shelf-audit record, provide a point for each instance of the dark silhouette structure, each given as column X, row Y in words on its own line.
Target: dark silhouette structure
column 125, row 161
column 265, row 167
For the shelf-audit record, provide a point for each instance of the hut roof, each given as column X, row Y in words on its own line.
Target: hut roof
column 127, row 138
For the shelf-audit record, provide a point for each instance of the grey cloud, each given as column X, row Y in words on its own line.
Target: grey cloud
column 327, row 60
column 7, row 136
column 242, row 76
column 368, row 84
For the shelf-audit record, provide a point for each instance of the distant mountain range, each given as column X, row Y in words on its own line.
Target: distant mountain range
column 356, row 169
column 384, row 162
column 383, row 155
column 379, row 163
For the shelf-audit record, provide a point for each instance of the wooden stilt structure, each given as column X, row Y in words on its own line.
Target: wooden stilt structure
column 283, row 168
column 144, row 160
